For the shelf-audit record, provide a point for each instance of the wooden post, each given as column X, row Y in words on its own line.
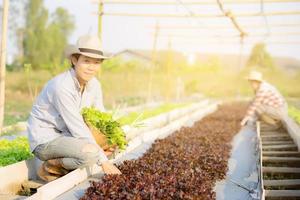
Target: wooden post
column 100, row 14
column 149, row 95
column 168, row 70
column 240, row 66
column 3, row 62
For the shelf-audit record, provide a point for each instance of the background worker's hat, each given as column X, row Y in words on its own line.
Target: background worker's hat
column 255, row 76
column 87, row 45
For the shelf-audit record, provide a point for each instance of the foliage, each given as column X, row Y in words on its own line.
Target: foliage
column 12, row 151
column 260, row 57
column 130, row 87
column 117, row 64
column 105, row 123
column 111, row 64
column 45, row 38
column 294, row 113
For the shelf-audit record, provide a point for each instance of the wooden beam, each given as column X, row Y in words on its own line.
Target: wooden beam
column 281, row 153
column 274, row 147
column 282, row 193
column 231, row 41
column 272, row 132
column 232, row 18
column 288, row 182
column 207, row 27
column 227, row 41
column 207, row 2
column 216, row 35
column 281, row 159
column 277, row 142
column 200, row 15
column 281, row 170
column 275, row 137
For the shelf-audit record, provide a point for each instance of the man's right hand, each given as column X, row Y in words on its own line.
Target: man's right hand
column 109, row 152
column 245, row 120
column 110, row 168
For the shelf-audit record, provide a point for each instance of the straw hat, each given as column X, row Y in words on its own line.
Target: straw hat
column 255, row 76
column 87, row 45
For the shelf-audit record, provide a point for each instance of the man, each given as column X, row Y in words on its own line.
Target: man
column 268, row 104
column 57, row 132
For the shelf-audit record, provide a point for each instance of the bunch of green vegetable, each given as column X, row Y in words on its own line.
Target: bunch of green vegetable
column 12, row 151
column 106, row 124
column 294, row 113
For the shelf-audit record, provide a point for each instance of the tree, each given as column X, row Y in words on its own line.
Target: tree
column 62, row 25
column 260, row 57
column 45, row 38
column 16, row 9
column 35, row 40
column 2, row 61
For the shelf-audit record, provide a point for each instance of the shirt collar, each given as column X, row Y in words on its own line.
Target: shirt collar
column 262, row 86
column 76, row 82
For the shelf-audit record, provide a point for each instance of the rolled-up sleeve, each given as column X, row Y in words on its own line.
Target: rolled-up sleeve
column 65, row 104
column 256, row 103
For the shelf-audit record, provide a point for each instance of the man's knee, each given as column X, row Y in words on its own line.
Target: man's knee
column 90, row 153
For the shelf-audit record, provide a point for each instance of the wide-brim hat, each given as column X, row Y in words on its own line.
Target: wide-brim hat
column 87, row 45
column 255, row 76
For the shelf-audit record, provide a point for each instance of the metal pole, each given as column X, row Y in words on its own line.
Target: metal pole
column 100, row 10
column 3, row 62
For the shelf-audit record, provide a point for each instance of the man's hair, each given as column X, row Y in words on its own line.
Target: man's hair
column 76, row 55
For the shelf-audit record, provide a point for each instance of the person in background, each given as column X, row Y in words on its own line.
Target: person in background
column 57, row 132
column 268, row 104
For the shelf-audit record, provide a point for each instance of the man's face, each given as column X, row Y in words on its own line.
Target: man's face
column 86, row 67
column 254, row 84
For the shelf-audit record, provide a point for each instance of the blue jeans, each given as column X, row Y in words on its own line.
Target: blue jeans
column 74, row 152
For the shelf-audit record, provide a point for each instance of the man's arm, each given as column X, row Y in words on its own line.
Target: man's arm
column 260, row 95
column 66, row 106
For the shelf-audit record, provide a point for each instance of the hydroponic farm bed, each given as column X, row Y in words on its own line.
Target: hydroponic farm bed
column 185, row 165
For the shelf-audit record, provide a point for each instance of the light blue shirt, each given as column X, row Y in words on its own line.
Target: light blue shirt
column 56, row 111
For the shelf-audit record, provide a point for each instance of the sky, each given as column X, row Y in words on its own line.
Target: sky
column 191, row 35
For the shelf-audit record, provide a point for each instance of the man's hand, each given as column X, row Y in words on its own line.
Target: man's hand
column 245, row 120
column 109, row 168
column 109, row 152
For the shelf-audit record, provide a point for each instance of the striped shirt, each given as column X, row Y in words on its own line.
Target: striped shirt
column 266, row 95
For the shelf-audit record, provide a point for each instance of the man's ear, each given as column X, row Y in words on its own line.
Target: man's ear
column 74, row 60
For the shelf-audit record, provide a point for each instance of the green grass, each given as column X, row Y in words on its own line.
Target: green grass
column 294, row 113
column 139, row 116
column 16, row 111
column 12, row 151
column 127, row 84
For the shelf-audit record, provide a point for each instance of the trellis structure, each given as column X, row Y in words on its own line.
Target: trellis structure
column 187, row 4
column 224, row 13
